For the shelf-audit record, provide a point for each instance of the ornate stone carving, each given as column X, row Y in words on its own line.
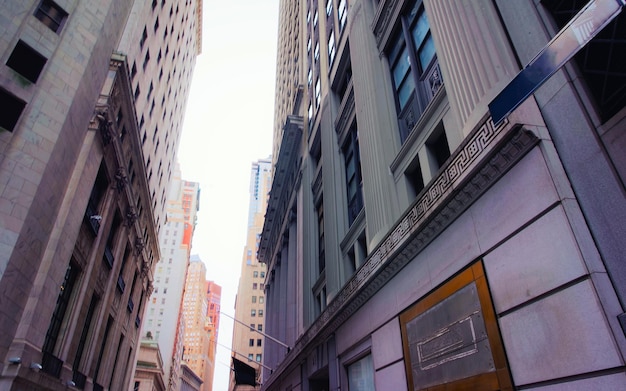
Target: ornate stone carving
column 139, row 245
column 131, row 216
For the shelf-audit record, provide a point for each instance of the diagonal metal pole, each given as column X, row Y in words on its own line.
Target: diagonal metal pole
column 263, row 334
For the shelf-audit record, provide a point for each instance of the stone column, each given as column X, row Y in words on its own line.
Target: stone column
column 379, row 137
column 474, row 54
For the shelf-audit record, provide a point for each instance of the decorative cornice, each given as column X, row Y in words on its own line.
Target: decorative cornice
column 480, row 161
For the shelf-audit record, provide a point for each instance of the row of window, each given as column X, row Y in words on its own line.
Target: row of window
column 28, row 62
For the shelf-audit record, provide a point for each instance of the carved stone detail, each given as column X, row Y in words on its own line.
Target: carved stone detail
column 121, row 179
column 139, row 245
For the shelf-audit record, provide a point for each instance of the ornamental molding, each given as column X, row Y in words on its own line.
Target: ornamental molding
column 481, row 160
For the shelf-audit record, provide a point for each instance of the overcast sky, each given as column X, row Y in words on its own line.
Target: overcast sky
column 228, row 125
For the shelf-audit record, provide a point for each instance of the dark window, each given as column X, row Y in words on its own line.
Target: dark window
column 415, row 178
column 146, row 59
column 50, row 14
column 26, row 61
column 438, row 149
column 144, row 36
column 602, row 61
column 259, row 342
column 62, row 304
column 251, row 342
column 321, row 247
column 85, row 332
column 12, row 108
column 414, row 68
column 154, row 4
column 354, row 182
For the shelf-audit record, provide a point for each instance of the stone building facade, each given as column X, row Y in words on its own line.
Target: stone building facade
column 411, row 243
column 80, row 212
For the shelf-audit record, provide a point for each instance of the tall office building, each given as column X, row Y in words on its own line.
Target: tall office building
column 162, row 324
column 247, row 342
column 82, row 179
column 413, row 244
column 201, row 306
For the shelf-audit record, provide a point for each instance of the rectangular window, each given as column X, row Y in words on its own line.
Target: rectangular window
column 321, row 248
column 251, row 342
column 331, row 48
column 254, row 299
column 354, row 182
column 361, row 375
column 144, row 37
column 414, row 69
column 12, row 108
column 342, row 12
column 50, row 14
column 258, row 358
column 259, row 342
column 253, row 312
column 260, row 313
column 26, row 61
column 62, row 304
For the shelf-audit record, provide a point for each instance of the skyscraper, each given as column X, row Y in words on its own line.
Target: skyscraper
column 162, row 324
column 201, row 306
column 422, row 245
column 250, row 304
column 84, row 161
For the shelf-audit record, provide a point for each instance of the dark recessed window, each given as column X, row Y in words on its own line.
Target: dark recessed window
column 144, row 36
column 26, row 61
column 50, row 14
column 12, row 108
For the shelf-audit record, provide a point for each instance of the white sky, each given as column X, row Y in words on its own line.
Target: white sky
column 228, row 125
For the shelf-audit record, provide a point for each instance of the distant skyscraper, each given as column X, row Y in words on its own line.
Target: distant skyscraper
column 250, row 304
column 201, row 305
column 92, row 96
column 162, row 323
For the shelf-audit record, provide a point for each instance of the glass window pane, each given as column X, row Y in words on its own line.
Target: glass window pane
column 427, row 52
column 419, row 30
column 401, row 68
column 405, row 91
column 361, row 375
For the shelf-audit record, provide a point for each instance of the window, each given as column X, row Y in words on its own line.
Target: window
column 260, row 313
column 318, row 93
column 331, row 48
column 251, row 342
column 261, row 299
column 329, row 7
column 258, row 357
column 250, row 356
column 415, row 74
column 50, row 14
column 262, row 274
column 146, row 59
column 62, row 304
column 144, row 36
column 255, row 285
column 320, row 240
column 361, row 375
column 12, row 108
column 255, row 274
column 259, row 342
column 354, row 183
column 316, row 53
column 343, row 14
column 252, row 312
column 26, row 61
column 438, row 149
column 254, row 299
column 259, row 327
